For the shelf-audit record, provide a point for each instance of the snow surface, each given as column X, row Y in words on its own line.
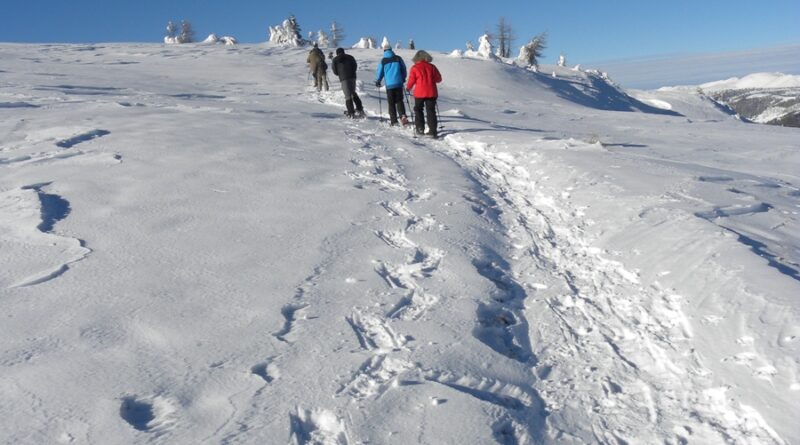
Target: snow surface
column 195, row 247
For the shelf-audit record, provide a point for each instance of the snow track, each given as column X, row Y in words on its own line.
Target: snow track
column 625, row 349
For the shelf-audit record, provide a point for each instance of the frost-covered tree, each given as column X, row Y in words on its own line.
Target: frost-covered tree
column 187, row 32
column 385, row 43
column 531, row 52
column 398, row 45
column 562, row 60
column 366, row 43
column 294, row 27
column 286, row 34
column 229, row 40
column 337, row 34
column 485, row 49
column 411, row 44
column 505, row 38
column 322, row 39
column 172, row 31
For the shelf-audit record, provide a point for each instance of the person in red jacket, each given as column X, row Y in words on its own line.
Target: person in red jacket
column 423, row 78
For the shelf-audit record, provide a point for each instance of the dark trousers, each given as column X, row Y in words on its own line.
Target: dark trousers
column 429, row 104
column 394, row 97
column 348, row 103
column 350, row 96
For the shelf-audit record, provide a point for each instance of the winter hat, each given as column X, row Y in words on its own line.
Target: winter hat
column 339, row 51
column 422, row 55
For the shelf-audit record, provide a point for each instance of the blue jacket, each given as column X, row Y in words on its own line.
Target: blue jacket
column 392, row 69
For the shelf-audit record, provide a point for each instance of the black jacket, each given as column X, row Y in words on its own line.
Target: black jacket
column 345, row 66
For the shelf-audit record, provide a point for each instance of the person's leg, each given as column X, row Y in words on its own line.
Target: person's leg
column 418, row 116
column 430, row 110
column 357, row 101
column 348, row 88
column 318, row 80
column 391, row 99
column 401, row 107
column 325, row 79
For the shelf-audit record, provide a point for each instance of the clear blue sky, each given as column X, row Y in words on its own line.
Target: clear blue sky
column 585, row 30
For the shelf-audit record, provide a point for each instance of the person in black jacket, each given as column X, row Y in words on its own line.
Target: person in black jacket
column 345, row 66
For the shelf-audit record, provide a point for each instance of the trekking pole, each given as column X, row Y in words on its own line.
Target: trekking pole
column 438, row 117
column 380, row 107
column 410, row 110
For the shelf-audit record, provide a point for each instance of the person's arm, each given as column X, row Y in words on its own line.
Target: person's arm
column 437, row 75
column 379, row 73
column 412, row 78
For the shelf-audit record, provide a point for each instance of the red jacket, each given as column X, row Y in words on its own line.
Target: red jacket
column 424, row 76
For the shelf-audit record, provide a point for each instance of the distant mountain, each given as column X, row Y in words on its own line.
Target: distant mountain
column 766, row 98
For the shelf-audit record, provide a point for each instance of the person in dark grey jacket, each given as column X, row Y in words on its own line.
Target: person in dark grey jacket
column 345, row 66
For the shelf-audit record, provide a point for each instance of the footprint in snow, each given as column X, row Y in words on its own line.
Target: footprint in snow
column 149, row 415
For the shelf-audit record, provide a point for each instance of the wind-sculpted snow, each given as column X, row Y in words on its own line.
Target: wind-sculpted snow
column 30, row 218
column 566, row 265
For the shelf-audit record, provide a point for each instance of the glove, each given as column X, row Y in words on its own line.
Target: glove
column 378, row 83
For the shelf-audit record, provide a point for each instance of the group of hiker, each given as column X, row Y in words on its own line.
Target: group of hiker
column 421, row 80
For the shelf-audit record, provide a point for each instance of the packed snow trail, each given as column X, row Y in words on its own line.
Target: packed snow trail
column 635, row 342
column 546, row 273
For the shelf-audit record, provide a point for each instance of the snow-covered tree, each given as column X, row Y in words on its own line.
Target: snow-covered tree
column 225, row 40
column 485, row 49
column 286, row 34
column 294, row 27
column 411, row 44
column 530, row 53
column 562, row 60
column 337, row 34
column 187, row 33
column 322, row 39
column 505, row 38
column 172, row 31
column 366, row 43
column 385, row 43
column 398, row 45
column 228, row 40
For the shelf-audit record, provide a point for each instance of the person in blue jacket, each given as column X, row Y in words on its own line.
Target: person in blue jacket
column 392, row 70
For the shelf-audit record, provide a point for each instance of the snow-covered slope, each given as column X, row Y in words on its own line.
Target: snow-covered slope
column 195, row 247
column 754, row 81
column 765, row 98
